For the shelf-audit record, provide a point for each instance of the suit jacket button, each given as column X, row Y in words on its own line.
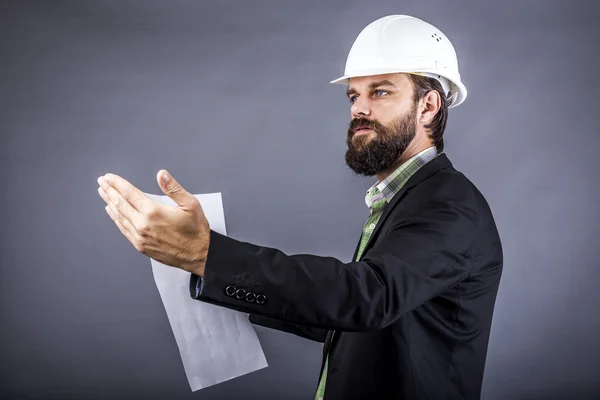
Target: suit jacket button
column 261, row 298
column 250, row 297
column 240, row 293
column 230, row 291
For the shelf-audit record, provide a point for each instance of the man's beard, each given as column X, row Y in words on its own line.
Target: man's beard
column 376, row 152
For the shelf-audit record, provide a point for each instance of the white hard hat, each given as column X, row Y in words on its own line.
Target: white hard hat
column 401, row 43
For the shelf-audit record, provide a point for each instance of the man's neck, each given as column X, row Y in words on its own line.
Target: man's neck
column 406, row 155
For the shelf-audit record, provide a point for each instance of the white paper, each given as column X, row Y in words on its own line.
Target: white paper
column 216, row 344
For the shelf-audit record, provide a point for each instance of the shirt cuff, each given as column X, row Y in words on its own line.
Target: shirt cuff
column 195, row 285
column 198, row 286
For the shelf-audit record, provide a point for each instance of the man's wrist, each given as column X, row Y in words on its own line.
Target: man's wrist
column 198, row 269
column 199, row 265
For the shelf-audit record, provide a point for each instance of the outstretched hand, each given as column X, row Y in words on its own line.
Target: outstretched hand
column 173, row 235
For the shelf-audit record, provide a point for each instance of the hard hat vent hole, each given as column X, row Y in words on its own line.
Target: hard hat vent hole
column 436, row 37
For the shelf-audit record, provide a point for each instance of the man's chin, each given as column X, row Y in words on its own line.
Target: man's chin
column 360, row 168
column 360, row 143
column 361, row 165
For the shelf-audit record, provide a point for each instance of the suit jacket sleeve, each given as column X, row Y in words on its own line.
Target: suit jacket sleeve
column 424, row 252
column 305, row 331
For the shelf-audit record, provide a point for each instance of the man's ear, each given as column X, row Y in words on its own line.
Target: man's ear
column 430, row 104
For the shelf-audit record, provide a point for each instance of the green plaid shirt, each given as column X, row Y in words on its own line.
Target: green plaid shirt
column 378, row 196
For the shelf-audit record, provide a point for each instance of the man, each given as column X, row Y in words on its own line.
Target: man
column 410, row 316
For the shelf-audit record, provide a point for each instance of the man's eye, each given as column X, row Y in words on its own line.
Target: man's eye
column 352, row 99
column 381, row 93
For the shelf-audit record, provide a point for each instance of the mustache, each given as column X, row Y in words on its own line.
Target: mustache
column 364, row 122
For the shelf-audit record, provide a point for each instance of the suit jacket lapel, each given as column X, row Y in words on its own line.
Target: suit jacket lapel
column 433, row 166
column 356, row 250
column 327, row 344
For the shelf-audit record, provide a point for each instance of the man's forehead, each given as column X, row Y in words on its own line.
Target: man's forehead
column 360, row 82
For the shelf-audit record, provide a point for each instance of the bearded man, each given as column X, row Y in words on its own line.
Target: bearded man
column 410, row 316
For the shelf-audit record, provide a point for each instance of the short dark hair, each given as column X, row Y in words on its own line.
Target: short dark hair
column 423, row 85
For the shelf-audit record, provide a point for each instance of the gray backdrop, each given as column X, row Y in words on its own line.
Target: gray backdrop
column 233, row 96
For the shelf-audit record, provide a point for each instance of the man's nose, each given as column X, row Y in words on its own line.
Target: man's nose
column 361, row 107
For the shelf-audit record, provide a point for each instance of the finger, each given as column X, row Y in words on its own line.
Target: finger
column 127, row 214
column 124, row 230
column 174, row 190
column 103, row 194
column 125, row 223
column 133, row 195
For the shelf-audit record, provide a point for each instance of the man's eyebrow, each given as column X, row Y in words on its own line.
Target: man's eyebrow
column 372, row 86
column 381, row 83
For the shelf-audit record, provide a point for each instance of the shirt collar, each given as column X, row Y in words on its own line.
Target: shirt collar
column 393, row 183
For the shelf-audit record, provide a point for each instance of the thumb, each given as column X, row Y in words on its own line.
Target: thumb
column 174, row 190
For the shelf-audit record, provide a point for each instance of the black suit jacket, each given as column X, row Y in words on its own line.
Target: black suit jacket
column 412, row 317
